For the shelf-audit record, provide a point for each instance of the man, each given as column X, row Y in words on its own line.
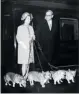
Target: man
column 46, row 35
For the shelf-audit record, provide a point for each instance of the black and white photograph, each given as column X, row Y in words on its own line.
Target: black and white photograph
column 39, row 46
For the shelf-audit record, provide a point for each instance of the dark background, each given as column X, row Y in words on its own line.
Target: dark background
column 11, row 11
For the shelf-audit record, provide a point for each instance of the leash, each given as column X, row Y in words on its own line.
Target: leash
column 51, row 66
column 38, row 57
column 68, row 66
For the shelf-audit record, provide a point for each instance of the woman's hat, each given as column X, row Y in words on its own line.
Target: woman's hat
column 24, row 16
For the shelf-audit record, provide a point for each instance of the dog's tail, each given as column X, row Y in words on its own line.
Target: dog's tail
column 4, row 78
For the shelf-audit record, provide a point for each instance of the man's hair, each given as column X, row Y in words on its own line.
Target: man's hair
column 50, row 12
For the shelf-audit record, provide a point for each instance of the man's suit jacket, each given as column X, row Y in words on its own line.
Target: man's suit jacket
column 48, row 39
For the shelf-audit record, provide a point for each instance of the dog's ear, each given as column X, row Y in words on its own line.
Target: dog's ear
column 69, row 70
column 75, row 70
column 43, row 72
column 48, row 71
column 52, row 72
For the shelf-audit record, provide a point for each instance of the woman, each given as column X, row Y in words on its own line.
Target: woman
column 25, row 36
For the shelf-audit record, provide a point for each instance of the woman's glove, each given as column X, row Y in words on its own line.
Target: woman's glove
column 34, row 37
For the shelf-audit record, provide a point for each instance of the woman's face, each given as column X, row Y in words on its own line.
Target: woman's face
column 27, row 20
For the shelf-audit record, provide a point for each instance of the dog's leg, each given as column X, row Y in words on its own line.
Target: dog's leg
column 13, row 84
column 43, row 85
column 31, row 83
column 61, row 81
column 6, row 83
column 20, row 85
column 58, row 82
column 54, row 82
column 68, row 81
column 48, row 81
column 9, row 84
column 73, row 80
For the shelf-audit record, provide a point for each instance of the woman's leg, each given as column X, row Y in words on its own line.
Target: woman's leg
column 23, row 69
column 26, row 70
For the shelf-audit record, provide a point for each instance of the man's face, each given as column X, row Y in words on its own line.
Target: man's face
column 48, row 16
